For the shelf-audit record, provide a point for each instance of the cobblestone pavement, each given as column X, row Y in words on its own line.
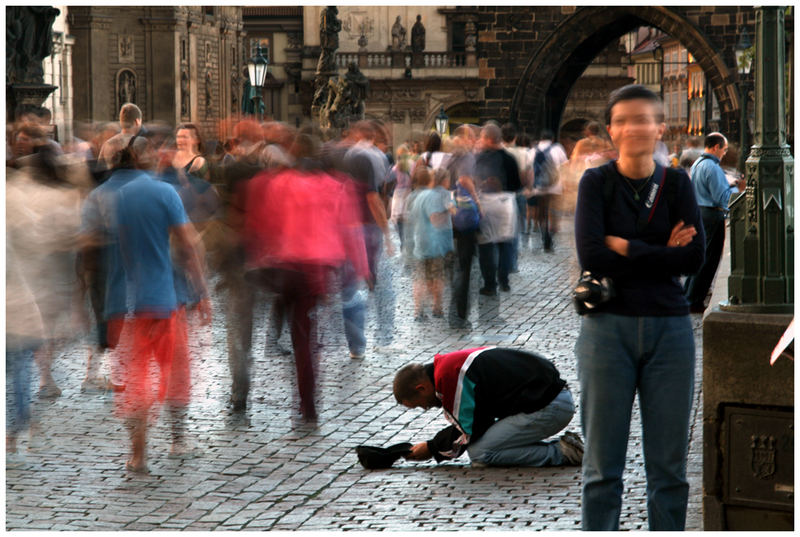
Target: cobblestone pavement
column 268, row 471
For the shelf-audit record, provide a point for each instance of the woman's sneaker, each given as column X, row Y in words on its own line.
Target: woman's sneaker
column 572, row 449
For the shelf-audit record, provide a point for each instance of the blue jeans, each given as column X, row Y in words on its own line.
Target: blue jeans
column 518, row 440
column 354, row 298
column 522, row 205
column 18, row 390
column 494, row 259
column 619, row 356
column 354, row 304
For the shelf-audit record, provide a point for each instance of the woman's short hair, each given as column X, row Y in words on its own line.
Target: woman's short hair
column 629, row 93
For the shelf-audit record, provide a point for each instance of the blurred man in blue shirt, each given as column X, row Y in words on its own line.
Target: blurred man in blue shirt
column 713, row 193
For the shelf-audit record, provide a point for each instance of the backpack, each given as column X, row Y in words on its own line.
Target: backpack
column 545, row 172
column 467, row 217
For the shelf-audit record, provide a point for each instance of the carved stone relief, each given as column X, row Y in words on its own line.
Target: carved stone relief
column 125, row 48
column 357, row 23
column 417, row 115
column 398, row 116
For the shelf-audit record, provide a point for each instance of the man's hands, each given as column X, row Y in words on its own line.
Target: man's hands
column 419, row 452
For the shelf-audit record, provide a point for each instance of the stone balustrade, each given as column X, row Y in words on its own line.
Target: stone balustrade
column 395, row 59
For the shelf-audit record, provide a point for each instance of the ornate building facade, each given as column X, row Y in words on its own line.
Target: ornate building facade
column 522, row 63
column 418, row 60
column 178, row 64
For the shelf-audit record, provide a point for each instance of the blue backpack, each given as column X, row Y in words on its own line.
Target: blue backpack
column 467, row 217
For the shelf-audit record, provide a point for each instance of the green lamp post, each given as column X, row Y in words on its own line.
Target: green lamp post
column 441, row 121
column 762, row 218
column 744, row 59
column 257, row 68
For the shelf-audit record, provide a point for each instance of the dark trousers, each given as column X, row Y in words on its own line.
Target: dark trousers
column 239, row 304
column 465, row 250
column 299, row 291
column 495, row 261
column 543, row 220
column 697, row 286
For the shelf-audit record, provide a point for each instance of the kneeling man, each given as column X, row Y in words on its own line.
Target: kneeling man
column 502, row 403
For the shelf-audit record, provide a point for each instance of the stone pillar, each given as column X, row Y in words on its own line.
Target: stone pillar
column 160, row 58
column 90, row 28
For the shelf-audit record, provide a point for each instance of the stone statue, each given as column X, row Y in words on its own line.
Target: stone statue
column 127, row 87
column 29, row 39
column 346, row 95
column 398, row 35
column 357, row 85
column 329, row 27
column 471, row 39
column 418, row 36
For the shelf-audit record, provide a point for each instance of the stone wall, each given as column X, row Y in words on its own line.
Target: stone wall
column 530, row 56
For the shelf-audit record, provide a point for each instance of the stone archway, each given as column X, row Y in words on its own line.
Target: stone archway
column 544, row 85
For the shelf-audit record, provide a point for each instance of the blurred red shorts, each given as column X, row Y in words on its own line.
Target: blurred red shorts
column 162, row 339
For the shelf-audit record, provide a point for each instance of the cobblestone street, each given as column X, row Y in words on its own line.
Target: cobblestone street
column 267, row 471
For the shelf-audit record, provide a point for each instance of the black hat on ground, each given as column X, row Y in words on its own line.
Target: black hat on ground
column 378, row 458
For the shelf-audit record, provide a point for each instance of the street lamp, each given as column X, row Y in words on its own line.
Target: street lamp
column 441, row 121
column 257, row 71
column 744, row 60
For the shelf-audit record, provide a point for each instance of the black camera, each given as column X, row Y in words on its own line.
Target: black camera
column 591, row 292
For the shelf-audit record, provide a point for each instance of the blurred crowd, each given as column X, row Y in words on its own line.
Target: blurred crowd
column 113, row 235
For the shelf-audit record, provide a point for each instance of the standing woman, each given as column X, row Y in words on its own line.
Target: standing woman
column 643, row 233
column 189, row 154
column 200, row 198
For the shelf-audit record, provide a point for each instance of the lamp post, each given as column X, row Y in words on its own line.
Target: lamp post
column 744, row 59
column 762, row 219
column 257, row 71
column 441, row 122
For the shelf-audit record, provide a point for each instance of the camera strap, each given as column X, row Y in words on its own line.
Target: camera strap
column 647, row 209
column 653, row 197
